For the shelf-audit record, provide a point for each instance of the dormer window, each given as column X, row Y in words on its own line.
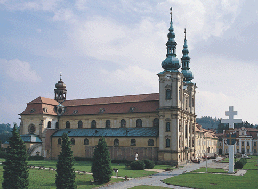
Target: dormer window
column 132, row 109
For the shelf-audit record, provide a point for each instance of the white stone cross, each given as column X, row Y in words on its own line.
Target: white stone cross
column 231, row 113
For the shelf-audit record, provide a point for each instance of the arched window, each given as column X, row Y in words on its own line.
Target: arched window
column 67, row 124
column 156, row 122
column 107, row 123
column 57, row 125
column 167, row 142
column 80, row 124
column 31, row 129
column 93, row 124
column 123, row 123
column 116, row 142
column 86, row 141
column 138, row 123
column 49, row 124
column 73, row 141
column 59, row 141
column 133, row 142
column 150, row 142
column 168, row 94
column 167, row 126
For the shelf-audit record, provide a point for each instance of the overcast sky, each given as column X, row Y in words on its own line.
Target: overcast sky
column 111, row 48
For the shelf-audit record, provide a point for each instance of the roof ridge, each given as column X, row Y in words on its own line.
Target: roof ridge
column 113, row 96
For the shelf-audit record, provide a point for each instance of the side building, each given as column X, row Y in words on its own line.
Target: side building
column 246, row 142
column 158, row 126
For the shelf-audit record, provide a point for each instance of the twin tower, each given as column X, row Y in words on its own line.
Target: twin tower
column 176, row 105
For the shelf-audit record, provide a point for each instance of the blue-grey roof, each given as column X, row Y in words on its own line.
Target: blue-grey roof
column 30, row 138
column 110, row 132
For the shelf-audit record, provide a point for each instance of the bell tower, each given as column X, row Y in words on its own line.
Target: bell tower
column 170, row 96
column 60, row 90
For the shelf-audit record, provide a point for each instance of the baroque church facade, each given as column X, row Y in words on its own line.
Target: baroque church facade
column 158, row 126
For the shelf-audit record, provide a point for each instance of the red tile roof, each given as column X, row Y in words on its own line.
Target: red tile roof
column 117, row 104
column 112, row 100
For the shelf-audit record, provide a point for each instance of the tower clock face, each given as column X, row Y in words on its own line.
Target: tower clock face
column 60, row 109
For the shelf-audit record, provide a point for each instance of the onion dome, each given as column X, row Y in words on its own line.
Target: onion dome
column 60, row 90
column 188, row 76
column 60, row 84
column 171, row 63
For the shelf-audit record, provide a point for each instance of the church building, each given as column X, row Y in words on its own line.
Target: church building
column 157, row 126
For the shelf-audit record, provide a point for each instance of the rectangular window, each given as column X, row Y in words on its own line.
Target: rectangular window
column 237, row 150
column 167, row 126
column 168, row 94
column 192, row 102
column 243, row 143
column 167, row 142
column 254, row 143
column 133, row 142
column 247, row 150
column 254, row 150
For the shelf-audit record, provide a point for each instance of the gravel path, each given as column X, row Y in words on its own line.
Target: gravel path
column 156, row 179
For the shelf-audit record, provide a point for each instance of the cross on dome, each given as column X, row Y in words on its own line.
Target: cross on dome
column 231, row 113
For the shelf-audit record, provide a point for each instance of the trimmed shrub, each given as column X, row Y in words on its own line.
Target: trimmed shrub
column 137, row 165
column 149, row 164
column 240, row 164
column 35, row 158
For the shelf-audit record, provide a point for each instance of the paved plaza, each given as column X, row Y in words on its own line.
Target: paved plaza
column 156, row 179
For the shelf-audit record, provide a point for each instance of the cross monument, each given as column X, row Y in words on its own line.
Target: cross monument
column 231, row 113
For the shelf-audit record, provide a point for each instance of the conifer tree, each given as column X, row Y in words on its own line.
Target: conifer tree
column 15, row 166
column 101, row 164
column 65, row 177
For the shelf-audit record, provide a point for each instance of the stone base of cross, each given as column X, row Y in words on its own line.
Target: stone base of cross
column 231, row 138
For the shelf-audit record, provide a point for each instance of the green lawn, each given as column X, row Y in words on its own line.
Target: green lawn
column 218, row 181
column 147, row 187
column 251, row 163
column 226, row 160
column 39, row 179
column 86, row 166
column 210, row 170
column 164, row 167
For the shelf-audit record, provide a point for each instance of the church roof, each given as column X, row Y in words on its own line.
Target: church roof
column 110, row 132
column 112, row 100
column 103, row 105
column 31, row 138
column 43, row 100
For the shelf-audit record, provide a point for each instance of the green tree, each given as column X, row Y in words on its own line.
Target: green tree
column 101, row 164
column 65, row 177
column 15, row 166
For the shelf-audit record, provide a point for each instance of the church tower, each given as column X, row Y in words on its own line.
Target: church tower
column 176, row 118
column 170, row 96
column 188, row 119
column 60, row 91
